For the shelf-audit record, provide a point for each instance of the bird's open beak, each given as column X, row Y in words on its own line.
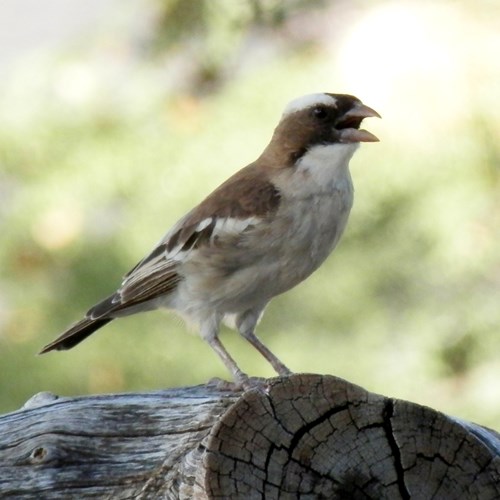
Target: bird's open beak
column 348, row 125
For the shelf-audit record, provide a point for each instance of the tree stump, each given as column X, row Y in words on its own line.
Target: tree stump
column 302, row 436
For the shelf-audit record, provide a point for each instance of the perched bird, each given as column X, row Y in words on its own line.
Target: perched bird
column 260, row 233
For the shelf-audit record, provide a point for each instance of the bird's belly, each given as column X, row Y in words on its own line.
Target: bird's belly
column 266, row 262
column 308, row 242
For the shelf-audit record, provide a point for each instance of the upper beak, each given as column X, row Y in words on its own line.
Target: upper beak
column 348, row 125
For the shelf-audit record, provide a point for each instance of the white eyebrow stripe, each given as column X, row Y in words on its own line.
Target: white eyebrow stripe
column 307, row 101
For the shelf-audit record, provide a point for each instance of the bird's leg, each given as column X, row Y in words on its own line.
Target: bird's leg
column 246, row 324
column 239, row 376
column 278, row 366
column 209, row 333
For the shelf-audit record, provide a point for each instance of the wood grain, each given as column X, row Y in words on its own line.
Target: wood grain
column 302, row 436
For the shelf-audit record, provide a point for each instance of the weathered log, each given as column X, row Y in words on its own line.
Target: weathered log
column 303, row 436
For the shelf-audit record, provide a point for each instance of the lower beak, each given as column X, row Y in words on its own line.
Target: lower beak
column 354, row 135
column 348, row 126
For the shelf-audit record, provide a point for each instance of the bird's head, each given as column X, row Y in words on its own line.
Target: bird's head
column 319, row 120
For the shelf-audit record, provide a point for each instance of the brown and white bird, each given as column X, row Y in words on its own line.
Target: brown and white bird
column 260, row 233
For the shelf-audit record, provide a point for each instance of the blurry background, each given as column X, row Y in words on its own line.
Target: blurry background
column 116, row 117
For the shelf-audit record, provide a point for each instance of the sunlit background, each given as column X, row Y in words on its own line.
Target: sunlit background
column 118, row 116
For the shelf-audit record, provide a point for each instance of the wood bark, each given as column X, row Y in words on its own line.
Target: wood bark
column 303, row 436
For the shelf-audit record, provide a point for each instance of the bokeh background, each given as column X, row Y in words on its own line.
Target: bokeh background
column 116, row 116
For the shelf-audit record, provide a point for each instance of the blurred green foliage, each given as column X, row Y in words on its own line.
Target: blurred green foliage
column 103, row 147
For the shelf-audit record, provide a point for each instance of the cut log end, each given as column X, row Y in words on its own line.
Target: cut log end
column 302, row 436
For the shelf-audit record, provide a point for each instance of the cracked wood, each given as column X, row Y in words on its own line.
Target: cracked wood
column 303, row 436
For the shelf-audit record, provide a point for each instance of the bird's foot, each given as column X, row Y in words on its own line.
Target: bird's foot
column 224, row 385
column 241, row 384
column 282, row 370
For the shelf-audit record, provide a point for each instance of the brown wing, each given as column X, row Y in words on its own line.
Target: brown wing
column 243, row 197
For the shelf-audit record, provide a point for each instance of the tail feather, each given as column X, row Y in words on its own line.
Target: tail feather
column 74, row 335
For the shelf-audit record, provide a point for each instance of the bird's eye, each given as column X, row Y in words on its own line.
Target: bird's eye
column 320, row 112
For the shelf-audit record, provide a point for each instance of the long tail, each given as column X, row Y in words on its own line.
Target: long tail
column 74, row 335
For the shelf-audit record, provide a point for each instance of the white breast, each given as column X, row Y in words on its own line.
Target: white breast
column 275, row 255
column 323, row 168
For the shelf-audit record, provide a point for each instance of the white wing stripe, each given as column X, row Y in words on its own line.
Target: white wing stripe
column 222, row 227
column 229, row 226
column 233, row 226
column 203, row 224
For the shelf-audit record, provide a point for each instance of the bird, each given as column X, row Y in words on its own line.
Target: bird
column 259, row 234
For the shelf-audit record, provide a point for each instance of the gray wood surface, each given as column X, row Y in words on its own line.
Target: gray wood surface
column 303, row 436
